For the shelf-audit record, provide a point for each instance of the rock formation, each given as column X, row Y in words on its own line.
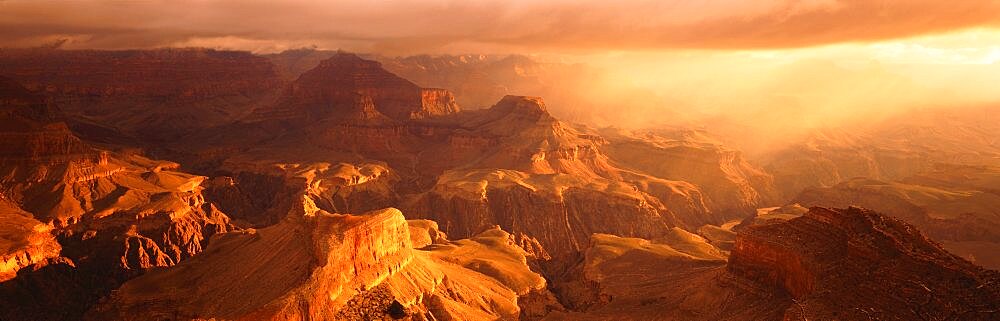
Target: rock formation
column 306, row 162
column 85, row 220
column 955, row 205
column 24, row 241
column 856, row 264
column 150, row 94
column 320, row 266
column 350, row 88
column 728, row 182
column 531, row 167
column 830, row 264
column 676, row 277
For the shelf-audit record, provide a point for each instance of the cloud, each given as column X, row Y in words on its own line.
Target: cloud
column 491, row 25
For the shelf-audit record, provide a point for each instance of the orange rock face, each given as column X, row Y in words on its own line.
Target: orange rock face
column 731, row 186
column 350, row 88
column 24, row 241
column 961, row 212
column 316, row 265
column 830, row 264
column 823, row 258
column 79, row 221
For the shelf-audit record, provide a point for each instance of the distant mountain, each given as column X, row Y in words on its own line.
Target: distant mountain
column 144, row 94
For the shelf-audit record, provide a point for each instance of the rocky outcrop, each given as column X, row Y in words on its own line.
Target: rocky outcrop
column 435, row 101
column 559, row 211
column 732, row 187
column 347, row 109
column 960, row 212
column 321, row 266
column 526, row 137
column 113, row 215
column 822, row 258
column 676, row 277
column 830, row 264
column 260, row 193
column 349, row 88
column 24, row 241
column 110, row 228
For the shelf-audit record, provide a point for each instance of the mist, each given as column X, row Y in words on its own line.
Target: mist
column 769, row 97
column 774, row 68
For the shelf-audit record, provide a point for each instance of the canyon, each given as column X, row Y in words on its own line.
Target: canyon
column 196, row 184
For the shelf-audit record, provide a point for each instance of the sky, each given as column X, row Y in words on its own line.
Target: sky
column 795, row 63
column 440, row 26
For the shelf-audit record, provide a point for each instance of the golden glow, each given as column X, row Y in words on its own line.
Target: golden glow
column 776, row 65
column 783, row 91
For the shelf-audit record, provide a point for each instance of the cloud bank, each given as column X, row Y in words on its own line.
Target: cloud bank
column 443, row 26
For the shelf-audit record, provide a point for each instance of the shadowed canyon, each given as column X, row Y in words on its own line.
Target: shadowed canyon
column 178, row 182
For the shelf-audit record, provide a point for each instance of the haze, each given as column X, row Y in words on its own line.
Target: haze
column 777, row 66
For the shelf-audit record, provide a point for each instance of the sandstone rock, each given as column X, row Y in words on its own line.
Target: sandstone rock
column 24, row 241
column 810, row 267
column 732, row 187
column 350, row 88
column 318, row 265
column 675, row 278
column 560, row 211
column 961, row 213
column 113, row 217
column 823, row 258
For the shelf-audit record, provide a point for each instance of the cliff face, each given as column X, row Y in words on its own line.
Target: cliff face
column 351, row 110
column 80, row 221
column 294, row 269
column 33, row 130
column 559, row 211
column 321, row 266
column 24, row 241
column 823, row 257
column 678, row 276
column 954, row 205
column 732, row 186
column 159, row 94
column 829, row 264
column 348, row 87
column 110, row 227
